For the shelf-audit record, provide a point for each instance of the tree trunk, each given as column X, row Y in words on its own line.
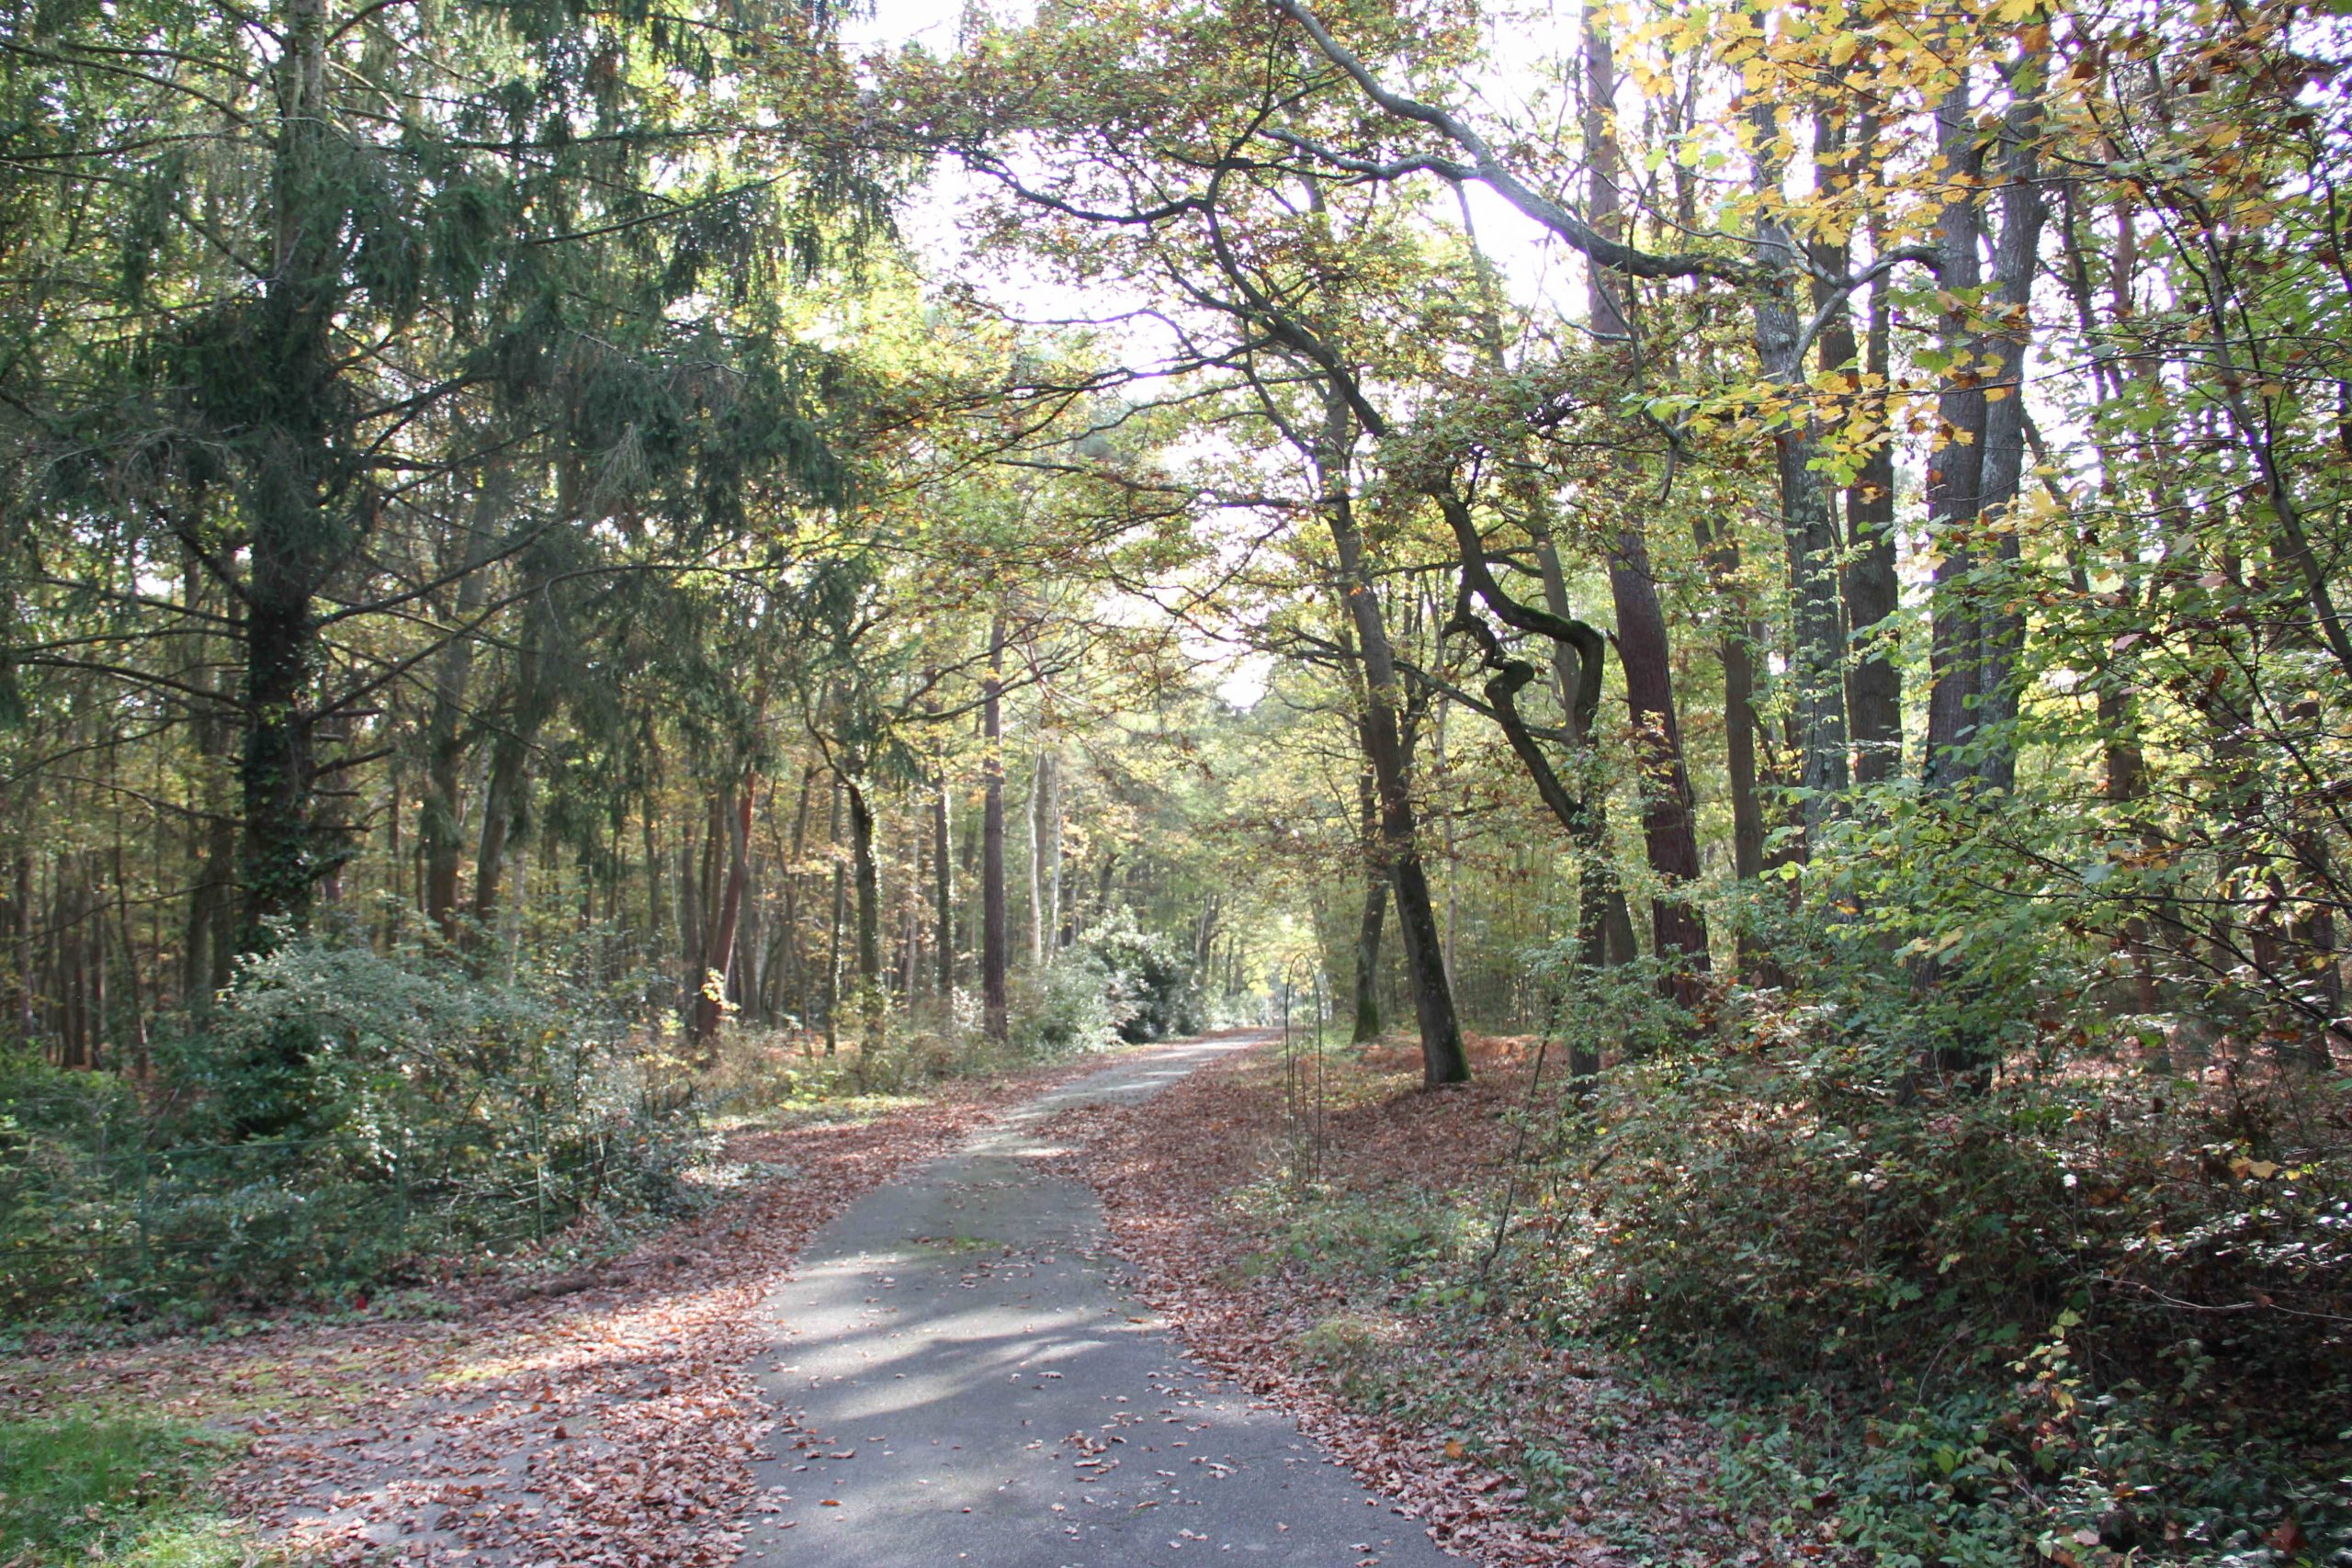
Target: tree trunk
column 1053, row 821
column 1443, row 1058
column 1808, row 523
column 1368, row 927
column 1605, row 927
column 1367, row 960
column 1874, row 682
column 279, row 868
column 506, row 796
column 869, row 916
column 943, row 887
column 445, row 747
column 208, row 948
column 995, row 953
column 1956, row 464
column 1678, row 931
column 1034, row 816
column 734, row 821
column 1735, row 647
column 294, row 543
column 2016, row 259
column 834, row 932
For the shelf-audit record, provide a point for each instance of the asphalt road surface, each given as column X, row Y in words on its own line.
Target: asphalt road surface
column 961, row 1376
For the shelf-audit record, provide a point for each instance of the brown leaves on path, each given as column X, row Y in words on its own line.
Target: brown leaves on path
column 1167, row 1173
column 610, row 1421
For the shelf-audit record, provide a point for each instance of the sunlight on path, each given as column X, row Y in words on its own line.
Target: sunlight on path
column 962, row 1377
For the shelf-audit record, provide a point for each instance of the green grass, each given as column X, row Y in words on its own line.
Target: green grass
column 125, row 1492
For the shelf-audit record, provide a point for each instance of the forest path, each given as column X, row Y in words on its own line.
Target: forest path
column 961, row 1375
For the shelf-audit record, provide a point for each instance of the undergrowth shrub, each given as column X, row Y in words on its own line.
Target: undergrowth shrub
column 1117, row 982
column 418, row 1111
column 2108, row 1307
column 1151, row 980
column 1076, row 1005
column 1979, row 1272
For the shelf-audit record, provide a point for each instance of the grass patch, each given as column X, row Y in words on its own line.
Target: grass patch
column 124, row 1492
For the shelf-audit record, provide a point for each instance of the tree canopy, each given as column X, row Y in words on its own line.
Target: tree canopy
column 1797, row 543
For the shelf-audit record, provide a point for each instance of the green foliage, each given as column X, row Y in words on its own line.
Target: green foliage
column 122, row 1492
column 1117, row 983
column 1152, row 984
column 2056, row 1307
column 444, row 1114
column 1074, row 1006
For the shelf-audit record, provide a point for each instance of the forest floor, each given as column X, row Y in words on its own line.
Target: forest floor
column 1319, row 1249
column 1054, row 1320
column 699, row 1397
column 597, row 1414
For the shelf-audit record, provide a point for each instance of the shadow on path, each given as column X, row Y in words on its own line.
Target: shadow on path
column 961, row 1376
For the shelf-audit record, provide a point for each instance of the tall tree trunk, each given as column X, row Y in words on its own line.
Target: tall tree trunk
column 793, row 966
column 506, row 795
column 942, row 885
column 1374, row 916
column 1875, row 682
column 1670, row 834
column 652, row 844
column 294, row 542
column 1034, row 816
column 869, row 916
column 278, row 864
column 911, row 901
column 2017, row 260
column 209, row 949
column 1808, row 519
column 1604, row 925
column 995, row 945
column 1444, row 1060
column 1735, row 649
column 1956, row 462
column 1053, row 850
column 834, row 932
column 732, row 823
column 1677, row 930
column 445, row 746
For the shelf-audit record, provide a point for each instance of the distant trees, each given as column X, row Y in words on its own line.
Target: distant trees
column 453, row 471
column 1786, row 312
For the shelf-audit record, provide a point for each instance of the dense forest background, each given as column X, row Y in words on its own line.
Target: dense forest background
column 565, row 568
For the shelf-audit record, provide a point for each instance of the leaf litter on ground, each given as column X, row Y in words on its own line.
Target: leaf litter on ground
column 1629, row 1475
column 608, row 1415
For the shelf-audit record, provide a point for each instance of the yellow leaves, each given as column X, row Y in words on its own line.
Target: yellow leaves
column 1843, row 48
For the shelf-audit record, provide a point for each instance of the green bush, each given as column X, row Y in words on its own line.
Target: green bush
column 1979, row 1281
column 410, row 1108
column 2109, row 1316
column 1076, row 1005
column 1152, row 985
column 1115, row 983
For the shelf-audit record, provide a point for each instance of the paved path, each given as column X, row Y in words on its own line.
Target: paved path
column 963, row 1378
